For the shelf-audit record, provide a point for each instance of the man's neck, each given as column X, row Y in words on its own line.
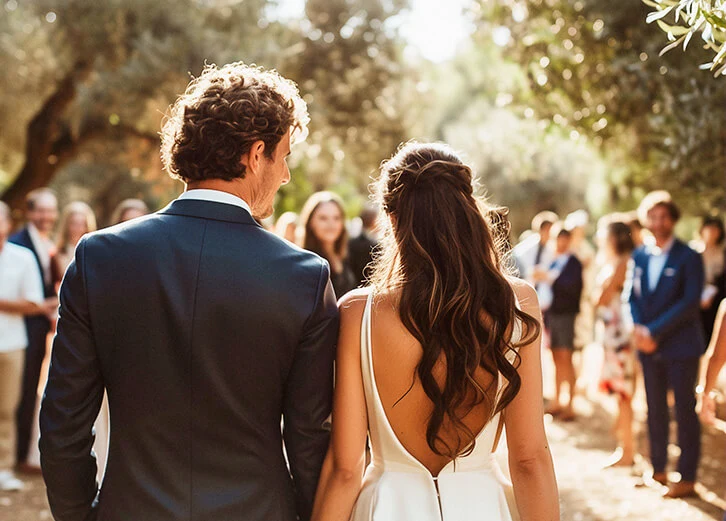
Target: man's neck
column 662, row 242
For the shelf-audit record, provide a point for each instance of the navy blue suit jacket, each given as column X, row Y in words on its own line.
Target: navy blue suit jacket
column 205, row 330
column 672, row 310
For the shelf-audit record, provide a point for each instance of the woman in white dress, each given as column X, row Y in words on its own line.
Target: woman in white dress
column 443, row 345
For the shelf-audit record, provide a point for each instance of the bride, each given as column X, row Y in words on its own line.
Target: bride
column 442, row 347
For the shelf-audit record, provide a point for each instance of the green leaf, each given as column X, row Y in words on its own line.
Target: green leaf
column 714, row 20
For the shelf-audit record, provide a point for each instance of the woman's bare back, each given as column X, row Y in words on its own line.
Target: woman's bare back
column 396, row 354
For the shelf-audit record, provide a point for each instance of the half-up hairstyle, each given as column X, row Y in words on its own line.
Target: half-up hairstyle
column 442, row 254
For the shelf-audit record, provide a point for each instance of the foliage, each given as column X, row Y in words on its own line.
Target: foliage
column 139, row 55
column 593, row 67
column 707, row 17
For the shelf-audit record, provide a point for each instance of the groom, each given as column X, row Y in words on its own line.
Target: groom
column 204, row 329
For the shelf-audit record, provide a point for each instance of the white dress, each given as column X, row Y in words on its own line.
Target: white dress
column 397, row 487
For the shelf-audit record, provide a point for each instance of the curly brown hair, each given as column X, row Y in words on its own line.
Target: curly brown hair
column 222, row 113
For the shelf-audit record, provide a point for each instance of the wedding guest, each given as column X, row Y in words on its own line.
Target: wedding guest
column 715, row 361
column 564, row 276
column 614, row 334
column 42, row 214
column 636, row 228
column 77, row 220
column 665, row 303
column 286, row 227
column 361, row 247
column 129, row 209
column 577, row 223
column 323, row 225
column 711, row 247
column 535, row 250
column 21, row 294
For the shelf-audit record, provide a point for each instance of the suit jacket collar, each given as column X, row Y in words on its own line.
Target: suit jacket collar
column 209, row 210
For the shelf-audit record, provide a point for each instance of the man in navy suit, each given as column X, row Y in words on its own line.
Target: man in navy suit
column 204, row 329
column 42, row 214
column 666, row 288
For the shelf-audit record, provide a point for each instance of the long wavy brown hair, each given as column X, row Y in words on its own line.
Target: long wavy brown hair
column 443, row 255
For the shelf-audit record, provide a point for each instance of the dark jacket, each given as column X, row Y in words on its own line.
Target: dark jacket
column 567, row 289
column 205, row 330
column 360, row 255
column 672, row 310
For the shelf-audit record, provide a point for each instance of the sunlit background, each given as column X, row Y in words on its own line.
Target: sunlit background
column 557, row 104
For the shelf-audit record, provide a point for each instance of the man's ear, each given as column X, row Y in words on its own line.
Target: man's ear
column 253, row 158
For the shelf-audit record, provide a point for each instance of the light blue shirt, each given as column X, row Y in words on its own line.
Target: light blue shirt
column 657, row 258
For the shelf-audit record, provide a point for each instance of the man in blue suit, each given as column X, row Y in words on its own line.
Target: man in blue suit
column 667, row 282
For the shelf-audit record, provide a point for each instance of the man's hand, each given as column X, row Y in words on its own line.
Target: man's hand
column 644, row 342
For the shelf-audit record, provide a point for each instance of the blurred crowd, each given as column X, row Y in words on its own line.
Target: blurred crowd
column 652, row 301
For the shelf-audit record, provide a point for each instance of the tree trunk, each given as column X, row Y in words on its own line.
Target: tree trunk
column 47, row 145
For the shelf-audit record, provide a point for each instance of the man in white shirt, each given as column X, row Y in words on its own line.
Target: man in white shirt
column 42, row 214
column 535, row 250
column 21, row 293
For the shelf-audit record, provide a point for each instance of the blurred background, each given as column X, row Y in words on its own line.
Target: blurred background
column 557, row 104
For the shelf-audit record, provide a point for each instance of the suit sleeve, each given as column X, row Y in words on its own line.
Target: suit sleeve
column 632, row 298
column 309, row 396
column 687, row 307
column 70, row 405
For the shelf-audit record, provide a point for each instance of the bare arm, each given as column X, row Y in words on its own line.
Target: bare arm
column 613, row 285
column 530, row 461
column 716, row 360
column 716, row 349
column 342, row 473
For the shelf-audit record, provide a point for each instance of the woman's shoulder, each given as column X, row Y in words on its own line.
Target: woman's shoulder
column 353, row 303
column 524, row 292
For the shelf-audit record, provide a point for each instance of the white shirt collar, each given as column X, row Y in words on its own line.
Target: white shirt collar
column 215, row 196
column 655, row 250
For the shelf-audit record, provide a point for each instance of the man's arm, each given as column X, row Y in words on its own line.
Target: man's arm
column 685, row 308
column 30, row 300
column 309, row 396
column 70, row 405
column 21, row 307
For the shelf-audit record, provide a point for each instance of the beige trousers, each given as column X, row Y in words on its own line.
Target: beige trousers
column 11, row 378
